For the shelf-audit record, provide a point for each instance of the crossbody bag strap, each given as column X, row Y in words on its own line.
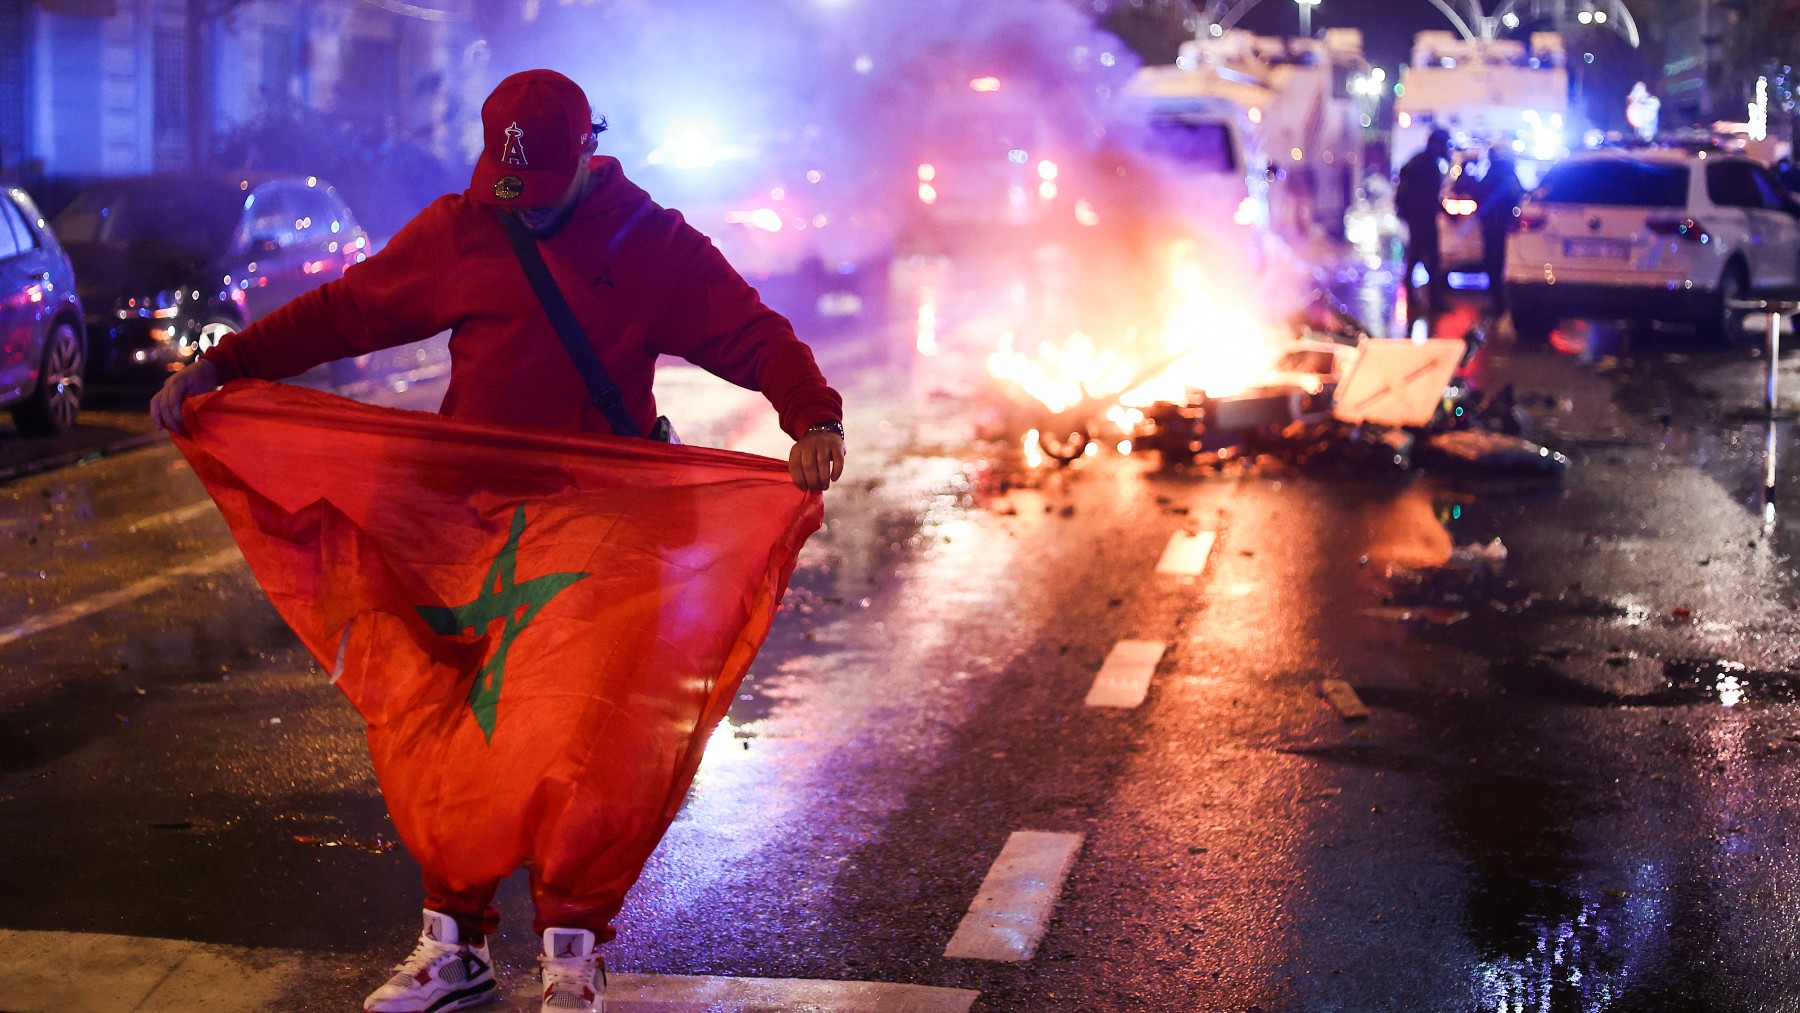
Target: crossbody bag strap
column 605, row 394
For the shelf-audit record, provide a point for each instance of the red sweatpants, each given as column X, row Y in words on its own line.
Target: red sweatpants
column 476, row 917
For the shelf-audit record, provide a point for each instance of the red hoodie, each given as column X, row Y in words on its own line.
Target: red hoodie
column 642, row 282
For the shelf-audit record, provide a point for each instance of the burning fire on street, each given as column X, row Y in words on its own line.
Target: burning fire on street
column 1218, row 382
column 1207, row 343
column 1208, row 346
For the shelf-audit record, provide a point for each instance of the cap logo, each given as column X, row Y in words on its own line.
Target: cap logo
column 508, row 187
column 514, row 152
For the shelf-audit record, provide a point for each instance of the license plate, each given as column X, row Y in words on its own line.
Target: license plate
column 1607, row 249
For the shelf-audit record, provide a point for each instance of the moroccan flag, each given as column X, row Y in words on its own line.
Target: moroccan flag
column 541, row 629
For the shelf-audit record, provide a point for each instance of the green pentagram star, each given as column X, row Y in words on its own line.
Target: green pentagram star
column 504, row 601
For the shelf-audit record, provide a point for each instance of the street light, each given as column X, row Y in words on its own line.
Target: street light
column 1306, row 7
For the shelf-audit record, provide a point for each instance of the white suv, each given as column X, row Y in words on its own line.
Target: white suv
column 1650, row 235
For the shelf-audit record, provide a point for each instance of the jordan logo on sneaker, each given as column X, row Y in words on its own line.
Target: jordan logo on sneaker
column 473, row 966
column 565, row 945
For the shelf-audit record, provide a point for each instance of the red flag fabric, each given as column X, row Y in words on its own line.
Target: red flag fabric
column 540, row 628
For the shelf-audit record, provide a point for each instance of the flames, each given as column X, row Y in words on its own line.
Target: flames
column 1063, row 374
column 1206, row 343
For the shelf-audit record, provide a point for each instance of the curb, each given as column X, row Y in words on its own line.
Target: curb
column 74, row 457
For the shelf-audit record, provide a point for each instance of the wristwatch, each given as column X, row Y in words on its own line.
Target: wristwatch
column 828, row 426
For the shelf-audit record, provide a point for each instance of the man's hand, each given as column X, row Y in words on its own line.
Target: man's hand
column 165, row 407
column 817, row 460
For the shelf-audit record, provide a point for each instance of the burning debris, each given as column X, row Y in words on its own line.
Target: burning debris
column 1315, row 392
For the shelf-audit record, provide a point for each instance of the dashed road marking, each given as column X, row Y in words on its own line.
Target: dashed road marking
column 1124, row 678
column 668, row 993
column 1344, row 699
column 80, row 972
column 118, row 596
column 1012, row 909
column 1187, row 553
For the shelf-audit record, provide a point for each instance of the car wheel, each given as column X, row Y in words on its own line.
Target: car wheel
column 1064, row 446
column 1719, row 323
column 52, row 407
column 214, row 331
column 1532, row 324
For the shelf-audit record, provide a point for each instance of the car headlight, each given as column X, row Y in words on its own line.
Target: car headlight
column 167, row 303
column 164, row 305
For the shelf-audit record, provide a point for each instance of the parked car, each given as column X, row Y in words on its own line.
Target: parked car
column 1650, row 235
column 43, row 350
column 168, row 265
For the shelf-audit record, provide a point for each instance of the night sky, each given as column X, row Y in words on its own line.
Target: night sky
column 1387, row 25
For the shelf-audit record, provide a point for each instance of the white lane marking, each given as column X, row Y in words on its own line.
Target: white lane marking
column 119, row 596
column 179, row 515
column 80, row 972
column 673, row 993
column 1344, row 699
column 1012, row 910
column 1187, row 553
column 1124, row 678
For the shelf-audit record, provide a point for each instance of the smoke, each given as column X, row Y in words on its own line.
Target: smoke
column 868, row 92
column 853, row 80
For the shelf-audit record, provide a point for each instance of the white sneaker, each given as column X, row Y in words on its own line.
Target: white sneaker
column 574, row 978
column 442, row 973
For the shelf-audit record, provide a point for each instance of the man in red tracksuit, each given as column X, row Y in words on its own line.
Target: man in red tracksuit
column 642, row 283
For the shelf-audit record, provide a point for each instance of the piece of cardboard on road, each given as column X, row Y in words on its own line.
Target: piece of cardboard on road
column 1397, row 381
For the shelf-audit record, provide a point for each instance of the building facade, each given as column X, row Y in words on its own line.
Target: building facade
column 116, row 87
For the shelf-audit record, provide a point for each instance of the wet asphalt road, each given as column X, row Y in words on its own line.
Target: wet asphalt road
column 1574, row 791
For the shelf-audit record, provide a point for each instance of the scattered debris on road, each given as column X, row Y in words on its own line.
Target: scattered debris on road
column 1331, row 398
column 1344, row 700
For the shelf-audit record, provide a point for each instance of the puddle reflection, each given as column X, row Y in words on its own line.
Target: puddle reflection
column 1580, row 962
column 1771, row 460
column 1410, row 532
column 1550, row 930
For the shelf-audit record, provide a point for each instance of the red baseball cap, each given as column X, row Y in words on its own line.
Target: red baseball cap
column 533, row 133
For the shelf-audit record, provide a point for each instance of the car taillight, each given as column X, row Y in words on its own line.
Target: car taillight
column 1678, row 228
column 1530, row 219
